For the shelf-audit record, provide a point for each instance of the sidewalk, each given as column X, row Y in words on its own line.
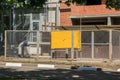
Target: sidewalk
column 64, row 63
column 34, row 66
column 31, row 71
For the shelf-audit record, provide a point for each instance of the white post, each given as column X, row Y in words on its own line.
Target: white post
column 38, row 42
column 110, row 45
column 92, row 45
column 57, row 14
column 31, row 27
column 109, row 21
column 40, row 21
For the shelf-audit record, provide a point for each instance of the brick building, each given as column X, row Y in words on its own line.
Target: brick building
column 93, row 12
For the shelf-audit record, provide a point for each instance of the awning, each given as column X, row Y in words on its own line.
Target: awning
column 95, row 16
column 90, row 27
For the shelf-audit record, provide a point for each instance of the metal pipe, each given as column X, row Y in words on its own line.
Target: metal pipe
column 72, row 48
column 57, row 15
column 92, row 45
column 110, row 45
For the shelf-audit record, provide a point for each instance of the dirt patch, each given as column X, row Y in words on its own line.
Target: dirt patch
column 115, row 64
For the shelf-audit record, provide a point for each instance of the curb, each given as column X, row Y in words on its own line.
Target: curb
column 42, row 66
column 9, row 64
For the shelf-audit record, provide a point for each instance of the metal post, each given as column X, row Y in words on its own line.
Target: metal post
column 5, row 43
column 13, row 27
column 92, row 45
column 66, row 53
column 110, row 45
column 31, row 22
column 57, row 14
column 76, row 54
column 31, row 27
column 13, row 21
column 51, row 54
column 45, row 18
column 80, row 32
column 109, row 20
column 72, row 48
column 40, row 21
column 38, row 43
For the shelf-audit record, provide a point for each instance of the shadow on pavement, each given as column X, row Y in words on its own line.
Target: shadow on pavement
column 60, row 74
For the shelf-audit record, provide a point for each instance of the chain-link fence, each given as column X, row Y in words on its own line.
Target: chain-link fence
column 37, row 43
column 95, row 44
column 102, row 44
column 116, row 44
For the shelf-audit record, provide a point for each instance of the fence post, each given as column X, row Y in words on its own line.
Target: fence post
column 38, row 43
column 110, row 45
column 5, row 45
column 92, row 45
column 72, row 47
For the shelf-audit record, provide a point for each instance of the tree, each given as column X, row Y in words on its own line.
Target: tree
column 5, row 5
column 113, row 4
column 39, row 3
column 21, row 3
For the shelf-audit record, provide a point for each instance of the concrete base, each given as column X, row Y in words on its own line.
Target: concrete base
column 46, row 66
column 14, row 64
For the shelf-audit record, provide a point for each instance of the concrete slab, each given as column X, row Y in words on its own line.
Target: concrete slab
column 46, row 66
column 13, row 64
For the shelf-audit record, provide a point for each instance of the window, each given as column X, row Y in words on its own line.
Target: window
column 93, row 2
column 90, row 21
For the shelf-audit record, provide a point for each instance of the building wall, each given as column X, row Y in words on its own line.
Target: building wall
column 51, row 12
column 77, row 10
column 52, row 4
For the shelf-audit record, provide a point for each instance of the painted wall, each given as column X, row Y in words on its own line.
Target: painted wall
column 74, row 10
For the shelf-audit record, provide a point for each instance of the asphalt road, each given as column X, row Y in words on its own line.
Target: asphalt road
column 57, row 74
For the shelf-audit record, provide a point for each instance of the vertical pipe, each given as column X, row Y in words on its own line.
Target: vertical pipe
column 66, row 53
column 80, row 32
column 13, row 21
column 13, row 25
column 92, row 45
column 110, row 45
column 45, row 12
column 72, row 44
column 31, row 22
column 40, row 21
column 38, row 43
column 5, row 48
column 57, row 14
column 109, row 20
column 31, row 27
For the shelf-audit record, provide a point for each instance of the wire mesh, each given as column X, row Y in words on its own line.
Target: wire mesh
column 86, row 44
column 101, row 44
column 95, row 44
column 15, row 48
column 116, row 44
